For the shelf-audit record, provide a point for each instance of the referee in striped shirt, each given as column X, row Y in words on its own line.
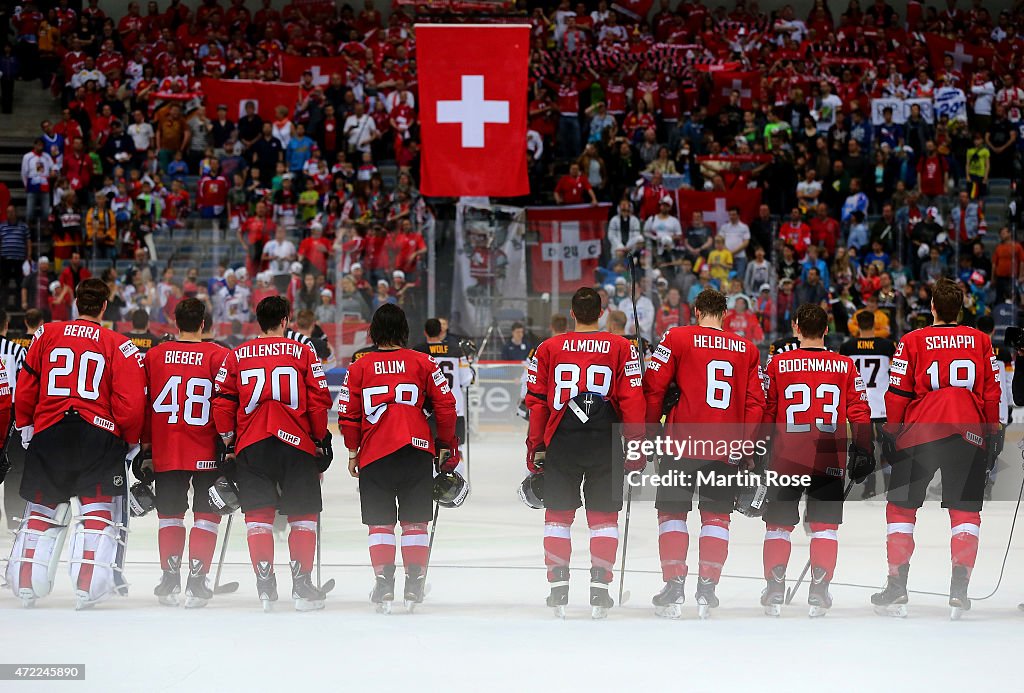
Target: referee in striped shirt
column 12, row 357
column 15, row 248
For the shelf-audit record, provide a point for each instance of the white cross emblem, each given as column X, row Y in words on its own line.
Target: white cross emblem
column 572, row 251
column 319, row 78
column 472, row 111
column 960, row 58
column 717, row 216
column 737, row 85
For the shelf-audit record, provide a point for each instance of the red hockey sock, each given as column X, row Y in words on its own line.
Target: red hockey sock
column 899, row 535
column 714, row 544
column 673, row 542
column 963, row 545
column 259, row 531
column 37, row 522
column 202, row 540
column 824, row 547
column 96, row 514
column 171, row 538
column 302, row 540
column 604, row 541
column 777, row 547
column 382, row 546
column 557, row 538
column 414, row 544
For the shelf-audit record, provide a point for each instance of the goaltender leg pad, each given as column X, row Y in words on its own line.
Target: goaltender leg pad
column 97, row 549
column 37, row 549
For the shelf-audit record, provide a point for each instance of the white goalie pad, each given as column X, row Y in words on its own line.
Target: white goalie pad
column 107, row 545
column 46, row 547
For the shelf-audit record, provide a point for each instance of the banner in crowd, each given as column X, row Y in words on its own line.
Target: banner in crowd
column 570, row 244
column 490, row 262
column 715, row 205
column 473, row 109
column 748, row 84
column 948, row 101
column 322, row 67
column 235, row 93
column 965, row 54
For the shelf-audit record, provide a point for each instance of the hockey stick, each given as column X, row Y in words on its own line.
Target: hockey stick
column 430, row 542
column 329, row 585
column 228, row 587
column 791, row 592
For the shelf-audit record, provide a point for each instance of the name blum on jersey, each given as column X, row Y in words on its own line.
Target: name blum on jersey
column 390, row 367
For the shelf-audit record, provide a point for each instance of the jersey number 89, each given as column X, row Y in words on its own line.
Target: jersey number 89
column 567, row 382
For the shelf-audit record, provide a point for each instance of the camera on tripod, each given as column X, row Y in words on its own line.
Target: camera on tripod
column 1014, row 338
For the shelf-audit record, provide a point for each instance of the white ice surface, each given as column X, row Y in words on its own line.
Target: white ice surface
column 484, row 627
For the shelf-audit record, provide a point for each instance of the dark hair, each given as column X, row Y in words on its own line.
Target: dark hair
column 90, row 297
column 432, row 328
column 3, row 318
column 189, row 315
column 389, row 327
column 559, row 323
column 947, row 299
column 866, row 320
column 812, row 320
column 271, row 311
column 986, row 324
column 140, row 319
column 33, row 318
column 517, row 326
column 305, row 319
column 710, row 303
column 586, row 306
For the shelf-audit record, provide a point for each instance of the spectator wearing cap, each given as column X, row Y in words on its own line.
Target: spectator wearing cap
column 325, row 311
column 315, row 250
column 383, row 294
column 624, row 234
column 662, row 229
column 574, row 188
column 231, row 302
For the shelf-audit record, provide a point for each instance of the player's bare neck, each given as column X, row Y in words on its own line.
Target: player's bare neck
column 587, row 328
column 939, row 323
column 90, row 318
column 388, row 347
column 710, row 323
column 190, row 337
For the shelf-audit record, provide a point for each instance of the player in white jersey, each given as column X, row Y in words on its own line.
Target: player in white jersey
column 873, row 356
column 454, row 365
column 1004, row 371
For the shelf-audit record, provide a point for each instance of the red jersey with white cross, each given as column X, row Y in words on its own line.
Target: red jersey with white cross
column 811, row 394
column 179, row 415
column 272, row 387
column 380, row 406
column 719, row 380
column 943, row 380
column 579, row 362
column 82, row 366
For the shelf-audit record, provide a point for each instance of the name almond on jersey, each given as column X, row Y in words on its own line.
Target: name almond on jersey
column 587, row 346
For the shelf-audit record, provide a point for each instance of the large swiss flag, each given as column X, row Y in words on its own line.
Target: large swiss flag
column 472, row 90
column 570, row 245
column 748, row 84
column 235, row 93
column 965, row 53
column 715, row 205
column 292, row 67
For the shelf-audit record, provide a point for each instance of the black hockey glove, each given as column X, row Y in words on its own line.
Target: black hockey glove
column 325, row 453
column 888, row 443
column 672, row 395
column 142, row 467
column 991, row 451
column 5, row 465
column 860, row 464
column 226, row 464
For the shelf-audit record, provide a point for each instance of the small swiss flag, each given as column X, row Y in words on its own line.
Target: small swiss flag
column 472, row 89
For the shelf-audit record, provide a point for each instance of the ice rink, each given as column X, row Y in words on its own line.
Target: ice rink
column 484, row 628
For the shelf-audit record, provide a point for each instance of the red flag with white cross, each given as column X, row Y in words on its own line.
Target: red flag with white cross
column 715, row 205
column 472, row 91
column 569, row 248
column 748, row 84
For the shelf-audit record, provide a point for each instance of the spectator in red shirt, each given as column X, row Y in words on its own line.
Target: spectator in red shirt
column 824, row 231
column 315, row 251
column 253, row 234
column 933, row 173
column 796, row 233
column 573, row 188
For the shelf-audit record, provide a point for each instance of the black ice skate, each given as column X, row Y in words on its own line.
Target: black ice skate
column 669, row 602
column 307, row 596
column 600, row 600
column 959, row 602
column 197, row 589
column 383, row 594
column 774, row 594
column 892, row 601
column 415, row 582
column 266, row 584
column 818, row 598
column 706, row 597
column 169, row 588
column 559, row 597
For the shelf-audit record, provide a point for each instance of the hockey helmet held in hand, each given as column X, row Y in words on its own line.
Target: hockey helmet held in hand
column 450, row 489
column 531, row 491
column 141, row 499
column 224, row 496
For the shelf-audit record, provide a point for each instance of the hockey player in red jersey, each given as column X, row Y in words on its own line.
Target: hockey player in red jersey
column 943, row 410
column 581, row 384
column 271, row 405
column 179, row 427
column 811, row 396
column 80, row 413
column 380, row 412
column 721, row 398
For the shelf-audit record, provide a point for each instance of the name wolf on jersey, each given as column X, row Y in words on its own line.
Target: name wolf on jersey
column 690, row 448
